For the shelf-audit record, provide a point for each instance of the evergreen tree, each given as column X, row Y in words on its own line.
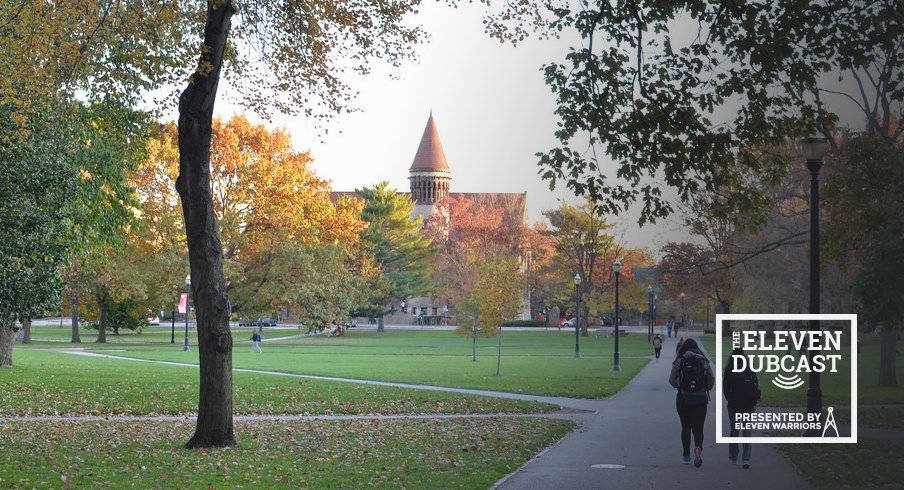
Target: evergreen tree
column 399, row 249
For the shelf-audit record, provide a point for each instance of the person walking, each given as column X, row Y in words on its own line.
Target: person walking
column 668, row 328
column 657, row 346
column 742, row 391
column 680, row 343
column 692, row 376
column 256, row 342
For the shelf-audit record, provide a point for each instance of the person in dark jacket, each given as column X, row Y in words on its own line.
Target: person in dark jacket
column 692, row 375
column 657, row 346
column 742, row 391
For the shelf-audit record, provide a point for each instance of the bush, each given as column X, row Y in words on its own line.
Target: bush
column 525, row 323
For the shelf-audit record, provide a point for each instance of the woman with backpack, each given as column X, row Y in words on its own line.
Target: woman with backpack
column 742, row 391
column 693, row 377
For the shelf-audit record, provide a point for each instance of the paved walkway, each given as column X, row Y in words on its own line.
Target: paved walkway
column 639, row 428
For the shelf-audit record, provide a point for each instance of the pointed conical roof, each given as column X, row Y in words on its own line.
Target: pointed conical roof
column 430, row 155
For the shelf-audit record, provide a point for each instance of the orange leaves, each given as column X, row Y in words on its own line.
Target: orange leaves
column 264, row 190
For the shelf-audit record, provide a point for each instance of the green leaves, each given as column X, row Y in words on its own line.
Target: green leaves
column 36, row 187
column 400, row 250
column 642, row 106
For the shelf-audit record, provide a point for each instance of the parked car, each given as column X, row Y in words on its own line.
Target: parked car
column 153, row 321
column 266, row 322
column 247, row 322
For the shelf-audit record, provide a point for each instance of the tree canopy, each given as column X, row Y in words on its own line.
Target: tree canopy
column 686, row 95
column 36, row 189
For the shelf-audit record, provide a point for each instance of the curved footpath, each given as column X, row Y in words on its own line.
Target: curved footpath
column 639, row 429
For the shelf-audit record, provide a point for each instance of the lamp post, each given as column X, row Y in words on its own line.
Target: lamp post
column 682, row 310
column 577, row 316
column 650, row 329
column 616, row 268
column 173, row 332
column 813, row 150
column 187, row 308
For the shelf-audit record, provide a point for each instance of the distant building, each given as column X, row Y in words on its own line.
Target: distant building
column 430, row 181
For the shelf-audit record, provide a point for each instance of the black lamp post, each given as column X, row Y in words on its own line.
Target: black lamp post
column 173, row 332
column 813, row 150
column 650, row 329
column 616, row 268
column 682, row 310
column 187, row 308
column 577, row 316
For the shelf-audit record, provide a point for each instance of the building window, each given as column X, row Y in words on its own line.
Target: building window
column 435, row 312
column 423, row 310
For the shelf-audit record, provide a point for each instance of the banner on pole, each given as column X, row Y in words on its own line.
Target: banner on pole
column 183, row 303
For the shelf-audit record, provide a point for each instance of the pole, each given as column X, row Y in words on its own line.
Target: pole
column 173, row 333
column 814, row 392
column 650, row 330
column 616, row 367
column 187, row 312
column 577, row 321
column 499, row 352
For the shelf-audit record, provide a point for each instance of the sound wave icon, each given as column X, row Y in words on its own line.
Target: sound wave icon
column 787, row 383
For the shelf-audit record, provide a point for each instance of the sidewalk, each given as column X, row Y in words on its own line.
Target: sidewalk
column 639, row 429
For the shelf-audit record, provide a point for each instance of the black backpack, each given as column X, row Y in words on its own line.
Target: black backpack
column 746, row 391
column 692, row 374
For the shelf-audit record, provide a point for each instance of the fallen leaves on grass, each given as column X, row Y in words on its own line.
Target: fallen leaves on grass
column 352, row 453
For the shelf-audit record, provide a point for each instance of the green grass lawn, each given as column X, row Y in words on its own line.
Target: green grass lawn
column 539, row 362
column 868, row 464
column 463, row 453
column 52, row 383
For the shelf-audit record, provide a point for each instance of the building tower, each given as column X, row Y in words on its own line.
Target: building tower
column 429, row 174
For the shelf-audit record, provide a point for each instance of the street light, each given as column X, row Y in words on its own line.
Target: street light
column 650, row 329
column 813, row 150
column 616, row 268
column 187, row 308
column 682, row 312
column 577, row 316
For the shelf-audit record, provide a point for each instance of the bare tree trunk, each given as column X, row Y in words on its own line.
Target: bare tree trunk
column 7, row 340
column 888, row 341
column 26, row 331
column 214, row 426
column 725, row 306
column 474, row 346
column 380, row 323
column 73, row 312
column 102, row 321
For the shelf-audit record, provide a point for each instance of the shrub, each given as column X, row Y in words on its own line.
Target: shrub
column 525, row 323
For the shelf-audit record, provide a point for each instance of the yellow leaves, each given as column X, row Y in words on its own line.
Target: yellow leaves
column 85, row 175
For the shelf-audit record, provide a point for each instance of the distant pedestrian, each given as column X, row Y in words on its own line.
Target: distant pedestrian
column 742, row 391
column 256, row 342
column 678, row 347
column 657, row 346
column 693, row 377
column 668, row 328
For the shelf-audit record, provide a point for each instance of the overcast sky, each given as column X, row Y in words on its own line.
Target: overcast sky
column 492, row 109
